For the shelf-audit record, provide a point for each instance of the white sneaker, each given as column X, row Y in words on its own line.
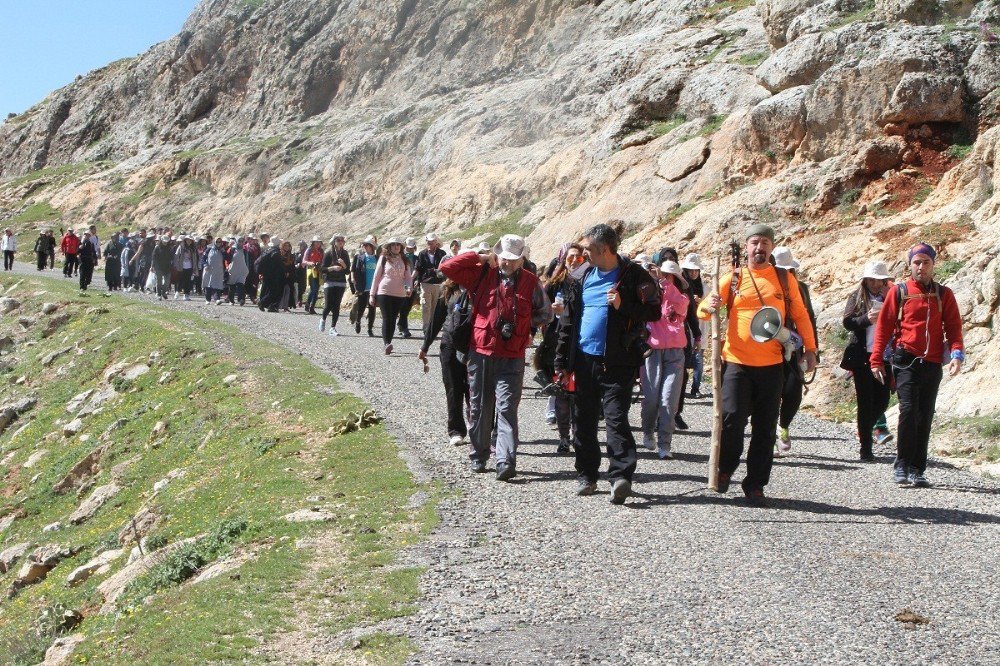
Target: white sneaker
column 333, row 333
column 220, row 302
column 456, row 440
column 187, row 298
column 176, row 296
column 648, row 441
column 322, row 326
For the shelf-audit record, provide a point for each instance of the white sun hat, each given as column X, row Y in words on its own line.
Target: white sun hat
column 692, row 262
column 876, row 270
column 672, row 268
column 783, row 258
column 509, row 247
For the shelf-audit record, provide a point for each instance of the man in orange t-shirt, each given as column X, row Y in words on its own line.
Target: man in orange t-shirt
column 753, row 375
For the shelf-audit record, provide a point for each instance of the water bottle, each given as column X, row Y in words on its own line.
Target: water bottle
column 559, row 299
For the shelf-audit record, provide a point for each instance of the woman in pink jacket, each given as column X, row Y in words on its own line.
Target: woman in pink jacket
column 391, row 288
column 662, row 375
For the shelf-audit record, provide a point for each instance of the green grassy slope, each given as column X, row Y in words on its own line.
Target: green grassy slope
column 251, row 450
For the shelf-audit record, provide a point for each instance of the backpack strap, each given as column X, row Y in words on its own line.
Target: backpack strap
column 734, row 287
column 783, row 280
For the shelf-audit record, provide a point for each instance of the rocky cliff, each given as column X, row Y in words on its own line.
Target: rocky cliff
column 854, row 126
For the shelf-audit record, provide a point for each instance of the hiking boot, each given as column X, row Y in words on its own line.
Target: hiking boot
column 900, row 476
column 620, row 490
column 755, row 497
column 724, row 479
column 477, row 466
column 648, row 441
column 917, row 479
column 882, row 436
column 680, row 422
column 563, row 446
column 585, row 487
column 505, row 472
column 784, row 441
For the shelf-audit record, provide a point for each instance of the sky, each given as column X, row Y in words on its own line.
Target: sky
column 45, row 44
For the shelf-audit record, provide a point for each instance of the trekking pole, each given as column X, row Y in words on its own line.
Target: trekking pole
column 714, row 452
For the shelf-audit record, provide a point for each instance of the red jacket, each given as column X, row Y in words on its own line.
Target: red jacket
column 70, row 244
column 945, row 322
column 489, row 298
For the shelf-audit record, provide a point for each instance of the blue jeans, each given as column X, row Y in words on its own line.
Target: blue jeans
column 699, row 370
column 662, row 377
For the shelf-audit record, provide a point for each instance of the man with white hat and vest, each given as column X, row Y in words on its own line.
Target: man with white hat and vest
column 753, row 375
column 791, row 394
column 426, row 272
column 507, row 302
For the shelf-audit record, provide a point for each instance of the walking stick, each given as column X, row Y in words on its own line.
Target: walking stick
column 713, row 456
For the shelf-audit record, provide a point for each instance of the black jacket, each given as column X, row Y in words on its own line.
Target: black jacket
column 640, row 304
column 331, row 268
column 427, row 266
column 856, row 354
column 358, row 272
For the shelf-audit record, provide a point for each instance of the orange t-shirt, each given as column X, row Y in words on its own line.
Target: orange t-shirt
column 740, row 347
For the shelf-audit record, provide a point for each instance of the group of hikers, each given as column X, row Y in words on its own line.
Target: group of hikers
column 602, row 324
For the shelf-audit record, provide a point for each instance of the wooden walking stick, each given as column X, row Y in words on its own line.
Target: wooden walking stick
column 713, row 456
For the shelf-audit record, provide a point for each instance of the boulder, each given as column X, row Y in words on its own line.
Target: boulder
column 49, row 308
column 142, row 524
column 85, row 469
column 923, row 98
column 12, row 410
column 51, row 357
column 10, row 556
column 6, row 522
column 223, row 566
column 93, row 503
column 134, row 371
column 880, row 155
column 777, row 124
column 97, row 400
column 77, row 400
column 682, row 160
column 112, row 588
column 54, row 323
column 52, row 527
column 8, row 304
column 73, row 427
column 777, row 16
column 34, row 458
column 982, row 74
column 230, row 379
column 311, row 515
column 61, row 651
column 99, row 565
column 38, row 565
column 114, row 370
column 6, row 342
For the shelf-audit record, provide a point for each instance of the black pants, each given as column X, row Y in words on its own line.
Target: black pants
column 42, row 260
column 456, row 389
column 360, row 304
column 610, row 388
column 52, row 260
column 70, row 265
column 390, row 307
column 917, row 387
column 404, row 315
column 791, row 394
column 8, row 259
column 237, row 293
column 162, row 283
column 184, row 283
column 873, row 398
column 333, row 296
column 86, row 274
column 750, row 391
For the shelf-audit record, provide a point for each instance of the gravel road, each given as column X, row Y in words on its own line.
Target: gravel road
column 526, row 572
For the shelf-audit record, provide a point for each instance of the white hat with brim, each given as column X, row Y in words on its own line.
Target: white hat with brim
column 783, row 258
column 335, row 237
column 430, row 238
column 672, row 268
column 395, row 240
column 411, row 243
column 315, row 239
column 876, row 270
column 369, row 240
column 483, row 248
column 692, row 262
column 510, row 247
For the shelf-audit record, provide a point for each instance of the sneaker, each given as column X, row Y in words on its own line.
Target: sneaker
column 695, row 394
column 550, row 419
column 900, row 476
column 388, row 349
column 620, row 490
column 456, row 440
column 585, row 487
column 322, row 326
column 917, row 479
column 784, row 441
column 220, row 302
column 564, row 446
column 866, row 456
column 724, row 480
column 187, row 298
column 407, row 335
column 665, row 453
column 371, row 333
column 680, row 422
column 477, row 466
column 882, row 436
column 505, row 472
column 648, row 441
column 755, row 497
column 333, row 333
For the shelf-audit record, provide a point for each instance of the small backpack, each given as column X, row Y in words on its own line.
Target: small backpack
column 458, row 322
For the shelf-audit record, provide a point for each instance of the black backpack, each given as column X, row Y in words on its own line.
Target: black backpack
column 458, row 322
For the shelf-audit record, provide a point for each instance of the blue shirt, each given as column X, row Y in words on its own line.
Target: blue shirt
column 371, row 261
column 594, row 318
